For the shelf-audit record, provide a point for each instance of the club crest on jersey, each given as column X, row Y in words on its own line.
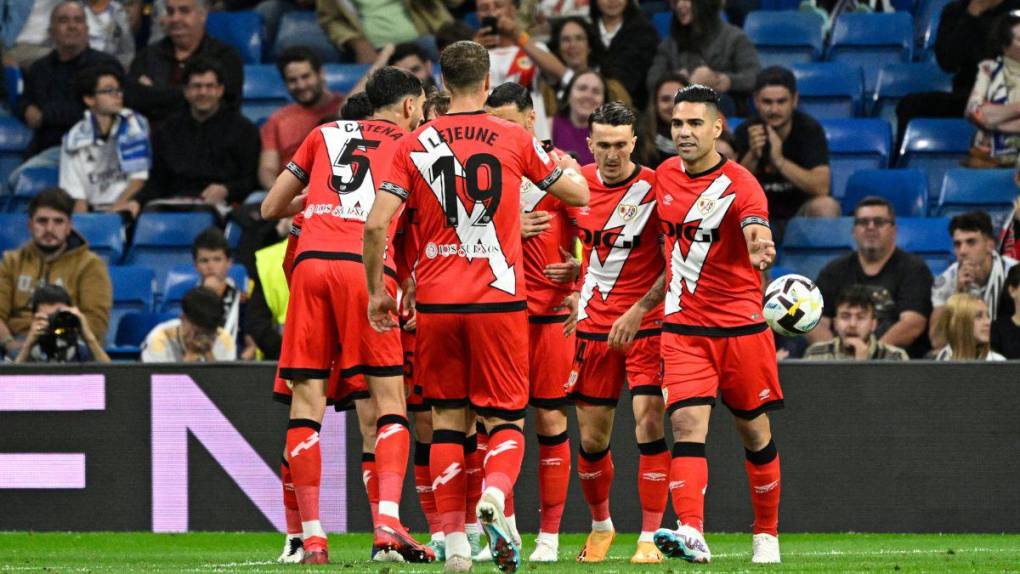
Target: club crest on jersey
column 627, row 211
column 705, row 205
column 524, row 63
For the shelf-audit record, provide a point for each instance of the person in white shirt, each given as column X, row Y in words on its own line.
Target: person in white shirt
column 966, row 327
column 195, row 337
column 105, row 157
column 110, row 29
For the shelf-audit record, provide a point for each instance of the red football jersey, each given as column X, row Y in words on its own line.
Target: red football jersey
column 342, row 163
column 405, row 246
column 622, row 253
column 711, row 287
column 461, row 173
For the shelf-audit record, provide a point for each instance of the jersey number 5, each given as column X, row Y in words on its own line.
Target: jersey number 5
column 357, row 165
column 488, row 195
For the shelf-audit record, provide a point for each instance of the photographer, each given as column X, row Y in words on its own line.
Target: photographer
column 59, row 332
column 195, row 337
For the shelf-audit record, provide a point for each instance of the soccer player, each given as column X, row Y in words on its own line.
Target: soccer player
column 550, row 326
column 461, row 173
column 714, row 341
column 618, row 330
column 342, row 163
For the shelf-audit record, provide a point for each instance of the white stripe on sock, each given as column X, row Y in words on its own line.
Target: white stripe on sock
column 389, row 508
column 312, row 528
column 602, row 525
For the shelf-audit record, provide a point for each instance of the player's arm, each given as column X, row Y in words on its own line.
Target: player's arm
column 626, row 327
column 281, row 196
column 382, row 309
column 571, row 187
column 760, row 245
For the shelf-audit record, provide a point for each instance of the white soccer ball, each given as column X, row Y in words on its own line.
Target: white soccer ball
column 793, row 305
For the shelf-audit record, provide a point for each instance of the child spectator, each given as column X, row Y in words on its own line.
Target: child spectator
column 194, row 337
column 211, row 254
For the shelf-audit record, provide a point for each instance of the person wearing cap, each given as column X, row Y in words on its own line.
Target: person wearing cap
column 194, row 337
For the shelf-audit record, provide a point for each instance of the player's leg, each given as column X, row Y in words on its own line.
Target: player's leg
column 596, row 471
column 762, row 465
column 553, row 479
column 365, row 411
column 475, row 446
column 307, row 409
column 293, row 547
column 422, row 421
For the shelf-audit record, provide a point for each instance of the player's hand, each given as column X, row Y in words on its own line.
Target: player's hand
column 297, row 204
column 382, row 312
column 763, row 253
column 569, row 305
column 625, row 329
column 756, row 138
column 775, row 147
column 858, row 346
column 565, row 272
column 407, row 302
column 566, row 161
column 534, row 223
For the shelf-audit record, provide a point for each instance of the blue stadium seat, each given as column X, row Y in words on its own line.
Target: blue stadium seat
column 784, row 38
column 871, row 40
column 182, row 278
column 927, row 237
column 30, row 182
column 104, row 232
column 13, row 230
column 132, row 293
column 13, row 84
column 990, row 190
column 662, row 21
column 342, row 77
column 897, row 80
column 300, row 28
column 471, row 19
column 14, row 138
column 808, row 244
column 935, row 145
column 828, row 89
column 856, row 144
column 780, row 4
column 242, row 30
column 163, row 240
column 906, row 189
column 264, row 91
column 649, row 8
column 132, row 330
column 926, row 25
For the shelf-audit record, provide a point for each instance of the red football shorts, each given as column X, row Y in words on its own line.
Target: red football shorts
column 476, row 359
column 339, row 393
column 327, row 327
column 742, row 369
column 415, row 395
column 598, row 372
column 549, row 358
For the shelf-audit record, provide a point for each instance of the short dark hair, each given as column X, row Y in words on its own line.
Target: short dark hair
column 50, row 294
column 212, row 239
column 203, row 307
column 776, row 76
column 87, row 81
column 594, row 42
column 438, row 101
column 1013, row 277
column 464, row 65
column 511, row 93
column 389, row 85
column 856, row 296
column 1002, row 32
column 357, row 106
column 876, row 201
column 697, row 94
column 613, row 114
column 972, row 221
column 203, row 65
column 53, row 198
column 401, row 51
column 451, row 33
column 296, row 54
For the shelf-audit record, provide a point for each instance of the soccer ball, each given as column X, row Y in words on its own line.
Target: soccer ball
column 793, row 305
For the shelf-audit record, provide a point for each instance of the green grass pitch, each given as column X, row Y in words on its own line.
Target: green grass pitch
column 55, row 553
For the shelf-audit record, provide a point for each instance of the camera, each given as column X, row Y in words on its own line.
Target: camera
column 61, row 337
column 490, row 22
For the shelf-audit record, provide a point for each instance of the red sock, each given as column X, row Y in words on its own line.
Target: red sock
column 688, row 479
column 305, row 458
column 290, row 507
column 596, row 472
column 503, row 460
column 473, row 457
column 449, row 480
column 763, row 476
column 393, row 440
column 653, row 483
column 553, row 480
column 370, row 476
column 423, row 486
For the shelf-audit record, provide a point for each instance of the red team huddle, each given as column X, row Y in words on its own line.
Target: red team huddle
column 668, row 301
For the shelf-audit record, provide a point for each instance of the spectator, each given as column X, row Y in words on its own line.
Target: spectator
column 287, row 127
column 110, row 29
column 994, row 103
column 211, row 254
column 194, row 337
column 965, row 326
column 574, row 42
column 961, row 43
column 453, row 32
column 708, row 51
column 56, row 254
column 626, row 43
column 540, row 14
column 267, row 309
column 1006, row 329
column 105, row 157
column 855, row 322
column 59, row 332
column 570, row 130
column 979, row 269
column 899, row 282
column 1009, row 237
column 158, row 71
column 786, row 151
column 49, row 104
column 208, row 153
column 24, row 28
column 655, row 142
column 271, row 11
column 411, row 57
column 361, row 28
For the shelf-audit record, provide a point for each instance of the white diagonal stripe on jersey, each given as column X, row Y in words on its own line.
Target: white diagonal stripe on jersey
column 687, row 270
column 468, row 231
column 602, row 275
column 337, row 137
column 531, row 195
